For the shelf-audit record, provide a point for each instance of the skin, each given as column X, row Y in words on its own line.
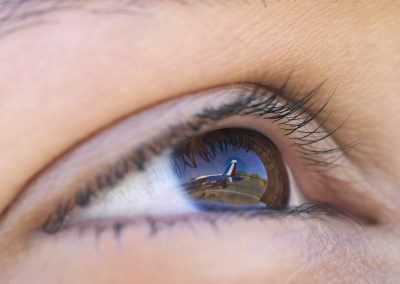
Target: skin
column 63, row 81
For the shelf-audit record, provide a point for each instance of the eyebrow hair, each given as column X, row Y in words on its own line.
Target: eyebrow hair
column 18, row 15
column 21, row 14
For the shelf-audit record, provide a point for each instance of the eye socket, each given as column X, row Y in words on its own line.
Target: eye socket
column 232, row 169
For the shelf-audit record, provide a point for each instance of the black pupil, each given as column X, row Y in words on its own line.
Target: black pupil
column 231, row 169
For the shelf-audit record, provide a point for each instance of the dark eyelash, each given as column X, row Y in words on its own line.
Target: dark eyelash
column 261, row 102
column 213, row 219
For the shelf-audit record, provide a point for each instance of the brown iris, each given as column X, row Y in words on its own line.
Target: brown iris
column 232, row 167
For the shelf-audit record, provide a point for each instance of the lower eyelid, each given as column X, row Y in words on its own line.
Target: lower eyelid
column 304, row 225
column 158, row 224
column 253, row 245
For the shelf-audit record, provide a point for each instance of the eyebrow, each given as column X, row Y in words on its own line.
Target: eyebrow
column 16, row 15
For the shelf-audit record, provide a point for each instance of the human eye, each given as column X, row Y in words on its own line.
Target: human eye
column 245, row 151
column 199, row 142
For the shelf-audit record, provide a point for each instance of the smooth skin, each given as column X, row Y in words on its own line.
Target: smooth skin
column 67, row 74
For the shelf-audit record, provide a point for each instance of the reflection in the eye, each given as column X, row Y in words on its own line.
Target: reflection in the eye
column 232, row 167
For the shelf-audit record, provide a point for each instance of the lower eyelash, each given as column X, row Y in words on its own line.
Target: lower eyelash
column 158, row 224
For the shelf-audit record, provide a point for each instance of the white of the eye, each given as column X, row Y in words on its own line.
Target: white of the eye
column 295, row 197
column 155, row 191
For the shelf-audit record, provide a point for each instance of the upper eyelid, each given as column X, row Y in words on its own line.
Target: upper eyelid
column 187, row 129
column 268, row 107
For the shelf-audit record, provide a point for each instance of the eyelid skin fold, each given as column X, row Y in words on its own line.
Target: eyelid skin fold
column 179, row 120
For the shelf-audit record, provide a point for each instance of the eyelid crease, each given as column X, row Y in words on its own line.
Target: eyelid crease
column 258, row 100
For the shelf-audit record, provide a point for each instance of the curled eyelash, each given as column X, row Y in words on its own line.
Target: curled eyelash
column 294, row 117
